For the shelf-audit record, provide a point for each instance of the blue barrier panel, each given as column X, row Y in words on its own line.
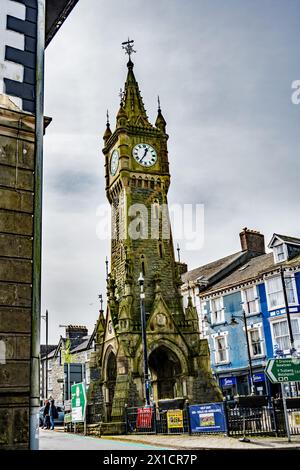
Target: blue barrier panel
column 208, row 417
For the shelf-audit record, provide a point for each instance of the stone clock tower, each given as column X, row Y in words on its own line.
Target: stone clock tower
column 137, row 182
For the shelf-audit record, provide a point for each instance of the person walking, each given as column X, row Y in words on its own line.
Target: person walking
column 53, row 414
column 46, row 415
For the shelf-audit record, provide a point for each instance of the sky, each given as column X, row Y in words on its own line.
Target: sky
column 223, row 71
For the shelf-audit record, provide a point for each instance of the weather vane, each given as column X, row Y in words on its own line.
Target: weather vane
column 128, row 46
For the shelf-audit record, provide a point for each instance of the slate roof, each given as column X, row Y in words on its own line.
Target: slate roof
column 251, row 270
column 82, row 346
column 209, row 270
column 285, row 238
column 47, row 349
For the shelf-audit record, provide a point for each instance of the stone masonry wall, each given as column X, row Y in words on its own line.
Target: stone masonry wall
column 16, row 236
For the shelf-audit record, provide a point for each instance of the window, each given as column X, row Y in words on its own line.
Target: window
column 275, row 291
column 221, row 349
column 280, row 253
column 49, row 382
column 49, row 364
column 217, row 310
column 255, row 342
column 281, row 335
column 250, row 300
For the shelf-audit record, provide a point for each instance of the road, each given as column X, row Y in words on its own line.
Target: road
column 58, row 440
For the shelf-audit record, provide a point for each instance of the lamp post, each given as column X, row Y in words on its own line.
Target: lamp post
column 234, row 322
column 288, row 316
column 144, row 339
column 45, row 317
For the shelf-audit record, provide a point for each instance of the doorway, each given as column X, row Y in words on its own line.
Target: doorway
column 165, row 372
column 111, row 376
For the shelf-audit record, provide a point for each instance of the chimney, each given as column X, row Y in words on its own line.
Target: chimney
column 76, row 332
column 252, row 241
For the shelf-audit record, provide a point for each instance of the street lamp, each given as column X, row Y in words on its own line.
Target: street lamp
column 144, row 339
column 288, row 316
column 233, row 322
column 45, row 317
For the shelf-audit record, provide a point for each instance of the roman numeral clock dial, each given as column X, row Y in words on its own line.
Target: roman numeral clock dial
column 144, row 154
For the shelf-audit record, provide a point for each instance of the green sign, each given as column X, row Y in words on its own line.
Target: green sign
column 283, row 370
column 78, row 402
column 68, row 418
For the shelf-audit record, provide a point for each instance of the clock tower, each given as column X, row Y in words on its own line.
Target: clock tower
column 137, row 181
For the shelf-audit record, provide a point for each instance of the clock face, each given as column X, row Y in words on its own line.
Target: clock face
column 114, row 162
column 144, row 154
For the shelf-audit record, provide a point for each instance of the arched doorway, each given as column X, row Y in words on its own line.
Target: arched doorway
column 165, row 371
column 111, row 376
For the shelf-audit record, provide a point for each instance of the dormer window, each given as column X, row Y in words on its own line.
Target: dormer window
column 284, row 247
column 280, row 253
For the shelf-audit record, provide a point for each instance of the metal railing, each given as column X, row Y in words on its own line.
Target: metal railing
column 250, row 421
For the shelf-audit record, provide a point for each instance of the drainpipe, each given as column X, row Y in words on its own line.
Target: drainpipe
column 37, row 233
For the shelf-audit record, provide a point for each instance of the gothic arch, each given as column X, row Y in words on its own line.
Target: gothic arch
column 152, row 345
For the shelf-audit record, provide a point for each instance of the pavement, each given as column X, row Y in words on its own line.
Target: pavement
column 186, row 442
column 59, row 440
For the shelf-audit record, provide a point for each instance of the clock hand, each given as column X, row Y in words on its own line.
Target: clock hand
column 146, row 150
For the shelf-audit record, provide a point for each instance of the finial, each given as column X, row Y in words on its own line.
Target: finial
column 158, row 103
column 106, row 266
column 101, row 301
column 121, row 96
column 107, row 118
column 128, row 46
column 178, row 251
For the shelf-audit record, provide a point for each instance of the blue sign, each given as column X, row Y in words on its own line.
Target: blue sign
column 207, row 418
column 228, row 381
column 259, row 377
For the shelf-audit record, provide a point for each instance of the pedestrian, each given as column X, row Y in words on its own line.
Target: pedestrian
column 46, row 415
column 53, row 414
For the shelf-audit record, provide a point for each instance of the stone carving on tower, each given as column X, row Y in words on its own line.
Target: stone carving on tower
column 137, row 182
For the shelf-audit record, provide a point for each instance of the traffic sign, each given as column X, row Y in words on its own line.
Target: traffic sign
column 283, row 370
column 78, row 402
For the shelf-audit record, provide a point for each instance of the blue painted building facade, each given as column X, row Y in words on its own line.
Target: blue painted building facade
column 255, row 288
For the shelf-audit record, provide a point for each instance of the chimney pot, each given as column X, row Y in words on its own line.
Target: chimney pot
column 252, row 241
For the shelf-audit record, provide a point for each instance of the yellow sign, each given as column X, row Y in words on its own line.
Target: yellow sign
column 297, row 419
column 175, row 419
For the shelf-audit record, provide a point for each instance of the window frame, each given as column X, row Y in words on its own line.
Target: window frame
column 258, row 328
column 216, row 350
column 256, row 300
column 268, row 293
column 283, row 318
column 276, row 252
column 213, row 317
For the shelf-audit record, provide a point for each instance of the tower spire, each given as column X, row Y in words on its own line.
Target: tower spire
column 131, row 98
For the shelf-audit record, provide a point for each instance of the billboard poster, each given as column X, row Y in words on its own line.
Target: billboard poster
column 207, row 418
column 144, row 418
column 175, row 419
column 78, row 402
